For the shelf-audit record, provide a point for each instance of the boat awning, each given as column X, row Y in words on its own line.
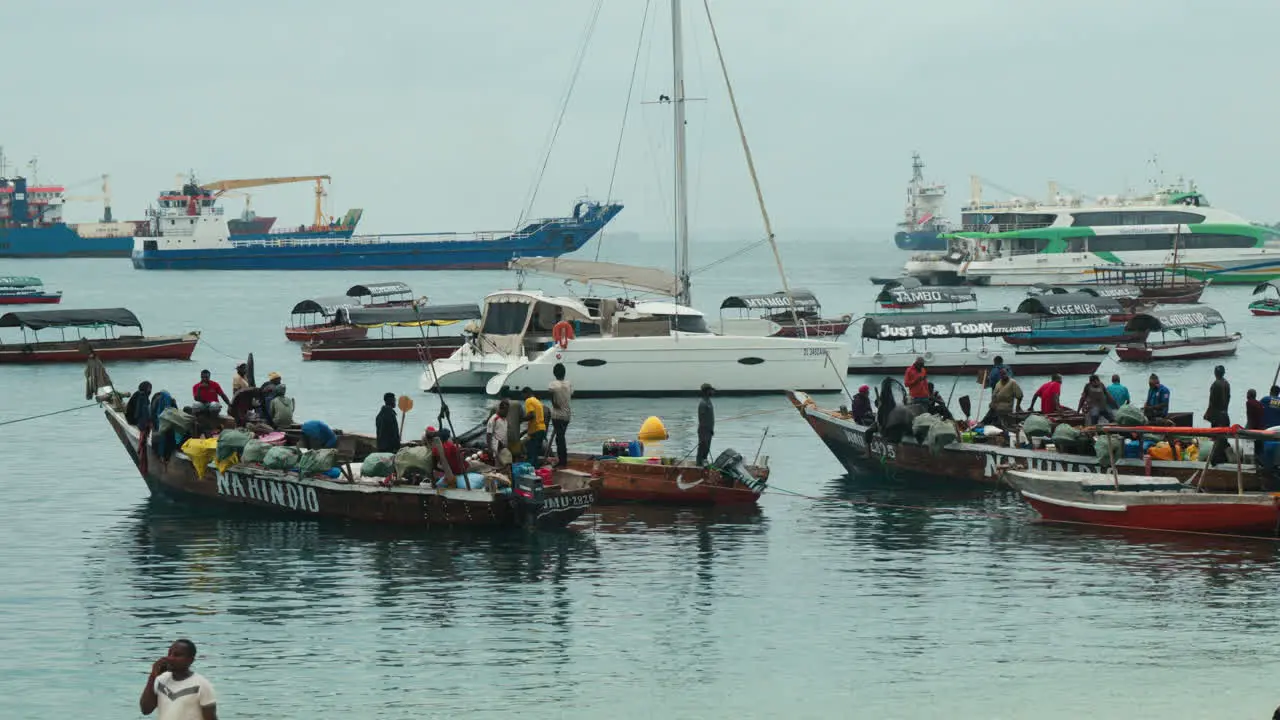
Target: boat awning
column 1174, row 317
column 379, row 290
column 911, row 326
column 325, row 306
column 409, row 315
column 41, row 319
column 804, row 300
column 1261, row 287
column 1119, row 292
column 629, row 277
column 917, row 294
column 19, row 281
column 1076, row 304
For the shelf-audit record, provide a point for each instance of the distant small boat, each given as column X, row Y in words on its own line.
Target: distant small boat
column 111, row 347
column 1270, row 304
column 421, row 347
column 1073, row 319
column 1180, row 319
column 317, row 319
column 908, row 293
column 803, row 320
column 1145, row 502
column 17, row 290
column 1155, row 283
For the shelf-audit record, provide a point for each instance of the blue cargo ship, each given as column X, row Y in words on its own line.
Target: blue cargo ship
column 188, row 232
column 31, row 225
column 922, row 227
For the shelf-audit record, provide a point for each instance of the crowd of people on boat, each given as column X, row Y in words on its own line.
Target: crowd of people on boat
column 1098, row 402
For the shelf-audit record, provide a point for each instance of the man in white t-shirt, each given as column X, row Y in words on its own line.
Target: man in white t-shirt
column 175, row 691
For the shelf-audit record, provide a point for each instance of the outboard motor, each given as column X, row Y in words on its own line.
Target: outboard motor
column 731, row 465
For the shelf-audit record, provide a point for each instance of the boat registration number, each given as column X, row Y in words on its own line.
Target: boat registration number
column 566, row 502
column 814, row 351
column 885, row 450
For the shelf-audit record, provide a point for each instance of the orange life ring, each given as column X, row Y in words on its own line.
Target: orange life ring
column 562, row 333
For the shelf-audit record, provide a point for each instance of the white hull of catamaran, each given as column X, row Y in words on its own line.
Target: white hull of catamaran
column 1244, row 265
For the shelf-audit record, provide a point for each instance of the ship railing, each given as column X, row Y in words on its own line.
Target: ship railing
column 387, row 239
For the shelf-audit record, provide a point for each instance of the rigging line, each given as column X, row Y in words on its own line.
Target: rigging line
column 209, row 345
column 751, row 164
column 626, row 111
column 737, row 253
column 45, row 415
column 588, row 31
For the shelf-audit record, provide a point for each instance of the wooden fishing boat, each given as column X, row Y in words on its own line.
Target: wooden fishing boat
column 1269, row 304
column 776, row 309
column 15, row 290
column 864, row 451
column 1180, row 320
column 317, row 319
column 1163, row 284
column 909, row 293
column 1149, row 503
column 423, row 347
column 723, row 482
column 78, row 349
column 1072, row 319
column 918, row 330
column 247, row 487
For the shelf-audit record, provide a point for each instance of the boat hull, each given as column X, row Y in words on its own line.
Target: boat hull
column 666, row 484
column 919, row 240
column 820, row 329
column 1244, row 519
column 1183, row 350
column 408, row 349
column 1265, row 308
column 59, row 241
column 30, row 299
column 1248, row 266
column 324, row 331
column 863, row 452
column 287, row 495
column 1023, row 362
column 384, row 252
column 175, row 347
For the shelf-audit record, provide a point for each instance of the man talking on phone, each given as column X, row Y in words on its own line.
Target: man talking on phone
column 175, row 691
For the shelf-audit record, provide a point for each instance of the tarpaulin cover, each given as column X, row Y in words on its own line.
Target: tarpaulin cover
column 1070, row 305
column 41, row 319
column 1174, row 317
column 909, row 326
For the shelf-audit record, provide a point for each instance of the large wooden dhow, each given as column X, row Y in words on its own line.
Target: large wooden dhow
column 863, row 450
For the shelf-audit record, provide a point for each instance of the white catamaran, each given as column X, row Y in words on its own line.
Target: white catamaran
column 632, row 348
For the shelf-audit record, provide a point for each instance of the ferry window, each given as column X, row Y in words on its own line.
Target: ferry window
column 505, row 318
column 1143, row 241
column 1172, row 217
column 1198, row 241
column 1092, row 219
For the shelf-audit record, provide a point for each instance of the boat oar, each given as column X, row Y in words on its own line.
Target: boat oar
column 966, row 407
column 405, row 403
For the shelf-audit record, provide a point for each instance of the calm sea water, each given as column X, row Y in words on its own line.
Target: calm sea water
column 876, row 601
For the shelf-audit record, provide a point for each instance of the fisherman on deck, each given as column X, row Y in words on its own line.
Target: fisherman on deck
column 860, row 406
column 997, row 368
column 1096, row 402
column 240, row 380
column 387, row 426
column 138, row 412
column 206, row 394
column 561, row 393
column 935, row 404
column 917, row 382
column 706, row 424
column 316, row 434
column 449, row 452
column 536, row 430
column 268, row 392
column 1003, row 399
column 1157, row 405
column 282, row 406
column 496, row 431
column 1216, row 414
column 1049, row 395
column 1118, row 391
column 1271, row 408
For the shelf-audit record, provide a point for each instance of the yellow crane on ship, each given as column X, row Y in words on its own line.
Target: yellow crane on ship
column 221, row 187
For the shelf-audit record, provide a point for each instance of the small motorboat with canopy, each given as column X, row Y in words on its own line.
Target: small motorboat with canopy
column 1176, row 325
column 382, row 294
column 796, row 315
column 1077, row 318
column 109, row 346
column 421, row 345
column 909, row 293
column 1269, row 303
column 317, row 318
column 913, row 333
column 1156, row 283
column 25, row 290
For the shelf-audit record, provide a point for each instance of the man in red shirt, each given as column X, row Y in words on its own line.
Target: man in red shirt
column 207, row 391
column 917, row 381
column 1049, row 395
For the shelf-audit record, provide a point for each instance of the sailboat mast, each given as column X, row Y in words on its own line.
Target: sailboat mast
column 681, row 170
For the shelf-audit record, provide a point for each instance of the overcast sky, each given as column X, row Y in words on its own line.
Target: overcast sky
column 433, row 116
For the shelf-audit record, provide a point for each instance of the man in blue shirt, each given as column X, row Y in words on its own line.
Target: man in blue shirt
column 1118, row 392
column 1271, row 408
column 1157, row 406
column 993, row 375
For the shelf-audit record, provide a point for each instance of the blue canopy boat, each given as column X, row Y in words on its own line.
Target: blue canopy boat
column 1075, row 318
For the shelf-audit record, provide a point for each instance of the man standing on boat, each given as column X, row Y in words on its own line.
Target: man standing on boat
column 706, row 424
column 917, row 382
column 387, row 426
column 240, row 380
column 176, row 691
column 1118, row 391
column 1003, row 399
column 535, row 415
column 1049, row 395
column 997, row 367
column 1216, row 415
column 207, row 391
column 561, row 392
column 1096, row 402
column 1157, row 406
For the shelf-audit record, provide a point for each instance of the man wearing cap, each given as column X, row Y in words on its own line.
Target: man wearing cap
column 706, row 423
column 267, row 393
column 860, row 406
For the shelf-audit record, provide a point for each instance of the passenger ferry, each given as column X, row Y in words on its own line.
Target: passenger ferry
column 1021, row 242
